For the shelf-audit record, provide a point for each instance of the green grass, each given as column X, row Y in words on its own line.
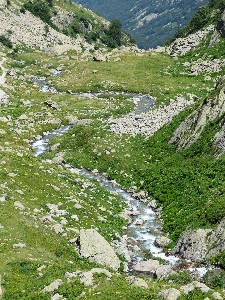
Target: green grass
column 190, row 178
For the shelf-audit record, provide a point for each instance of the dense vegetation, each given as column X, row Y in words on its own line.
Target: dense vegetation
column 135, row 17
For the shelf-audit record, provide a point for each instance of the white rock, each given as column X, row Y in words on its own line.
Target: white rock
column 170, row 294
column 191, row 286
column 137, row 282
column 150, row 265
column 20, row 245
column 19, row 205
column 217, row 296
column 96, row 248
column 53, row 286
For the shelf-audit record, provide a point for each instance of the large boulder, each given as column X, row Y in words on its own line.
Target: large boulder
column 170, row 294
column 198, row 244
column 217, row 240
column 150, row 265
column 192, row 244
column 94, row 247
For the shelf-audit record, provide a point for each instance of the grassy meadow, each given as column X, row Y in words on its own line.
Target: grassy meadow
column 181, row 182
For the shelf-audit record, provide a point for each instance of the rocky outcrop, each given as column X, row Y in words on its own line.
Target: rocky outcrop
column 192, row 244
column 94, row 247
column 199, row 244
column 191, row 128
column 62, row 18
column 217, row 240
column 221, row 25
column 182, row 45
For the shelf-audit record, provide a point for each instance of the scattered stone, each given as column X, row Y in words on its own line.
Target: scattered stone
column 72, row 120
column 164, row 271
column 137, row 282
column 58, row 159
column 52, row 104
column 139, row 222
column 78, row 206
column 53, row 286
column 146, row 124
column 217, row 296
column 1, row 291
column 94, row 247
column 87, row 277
column 20, row 246
column 162, row 241
column 19, row 205
column 191, row 286
column 57, row 297
column 19, row 192
column 170, row 294
column 58, row 228
column 150, row 265
column 182, row 45
column 2, row 198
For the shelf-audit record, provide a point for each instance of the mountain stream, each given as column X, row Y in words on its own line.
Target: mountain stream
column 145, row 224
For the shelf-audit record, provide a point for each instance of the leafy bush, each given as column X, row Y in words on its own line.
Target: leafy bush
column 40, row 9
column 114, row 34
column 215, row 278
column 181, row 278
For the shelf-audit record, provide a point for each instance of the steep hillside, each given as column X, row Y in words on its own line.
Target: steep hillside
column 56, row 28
column 97, row 187
column 150, row 23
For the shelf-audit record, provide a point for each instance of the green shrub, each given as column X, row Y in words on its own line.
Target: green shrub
column 215, row 278
column 6, row 41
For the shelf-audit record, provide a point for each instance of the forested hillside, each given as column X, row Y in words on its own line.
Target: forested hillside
column 150, row 23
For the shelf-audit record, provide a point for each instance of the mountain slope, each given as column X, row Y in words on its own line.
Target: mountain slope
column 64, row 236
column 56, row 28
column 150, row 23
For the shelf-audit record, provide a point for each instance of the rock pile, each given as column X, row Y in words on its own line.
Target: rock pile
column 147, row 124
column 207, row 66
column 191, row 128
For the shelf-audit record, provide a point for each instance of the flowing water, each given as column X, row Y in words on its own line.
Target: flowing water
column 145, row 226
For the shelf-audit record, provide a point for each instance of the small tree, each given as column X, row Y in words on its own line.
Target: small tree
column 114, row 33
